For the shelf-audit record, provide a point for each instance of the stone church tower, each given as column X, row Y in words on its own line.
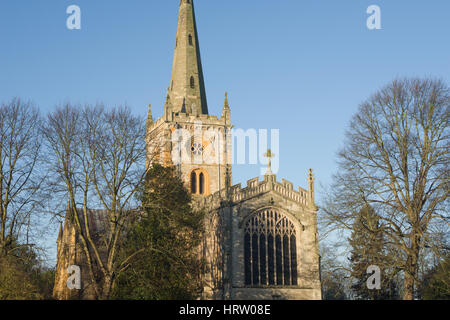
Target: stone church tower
column 187, row 136
column 261, row 240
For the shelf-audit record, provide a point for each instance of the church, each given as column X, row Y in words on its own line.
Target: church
column 261, row 240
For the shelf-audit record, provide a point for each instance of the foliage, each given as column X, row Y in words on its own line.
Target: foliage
column 333, row 274
column 21, row 192
column 333, row 286
column 396, row 158
column 167, row 238
column 369, row 248
column 15, row 282
column 22, row 277
column 98, row 160
column 436, row 282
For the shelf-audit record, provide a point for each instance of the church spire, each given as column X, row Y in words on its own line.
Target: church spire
column 187, row 82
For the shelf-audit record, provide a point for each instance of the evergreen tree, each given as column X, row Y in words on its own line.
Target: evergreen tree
column 22, row 276
column 16, row 283
column 167, row 238
column 436, row 282
column 333, row 286
column 369, row 248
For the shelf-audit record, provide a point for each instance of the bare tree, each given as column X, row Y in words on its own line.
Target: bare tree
column 99, row 161
column 20, row 177
column 396, row 159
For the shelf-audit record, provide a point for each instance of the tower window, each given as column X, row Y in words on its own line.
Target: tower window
column 192, row 83
column 190, row 40
column 270, row 250
column 199, row 182
column 193, row 182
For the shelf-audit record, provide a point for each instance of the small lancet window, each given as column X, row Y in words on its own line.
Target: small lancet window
column 201, row 184
column 190, row 40
column 192, row 83
column 193, row 182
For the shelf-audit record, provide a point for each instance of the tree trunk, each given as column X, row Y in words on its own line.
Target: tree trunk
column 408, row 292
column 106, row 288
column 411, row 268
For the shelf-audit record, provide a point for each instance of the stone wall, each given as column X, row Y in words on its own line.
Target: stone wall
column 242, row 203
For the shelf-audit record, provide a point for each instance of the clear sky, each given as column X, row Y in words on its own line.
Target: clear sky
column 301, row 66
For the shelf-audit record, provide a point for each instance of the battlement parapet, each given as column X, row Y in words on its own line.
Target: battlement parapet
column 189, row 119
column 255, row 187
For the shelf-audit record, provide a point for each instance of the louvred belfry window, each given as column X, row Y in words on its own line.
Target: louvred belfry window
column 270, row 250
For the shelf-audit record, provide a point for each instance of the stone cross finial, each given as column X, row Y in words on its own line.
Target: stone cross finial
column 269, row 155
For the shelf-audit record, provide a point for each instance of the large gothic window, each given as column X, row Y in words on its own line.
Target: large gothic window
column 270, row 250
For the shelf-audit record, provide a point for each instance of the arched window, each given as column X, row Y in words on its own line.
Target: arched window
column 270, row 250
column 193, row 182
column 199, row 182
column 192, row 83
column 190, row 40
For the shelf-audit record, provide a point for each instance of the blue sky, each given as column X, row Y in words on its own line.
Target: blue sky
column 301, row 66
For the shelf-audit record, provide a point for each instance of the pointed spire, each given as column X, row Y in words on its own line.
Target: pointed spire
column 167, row 95
column 187, row 83
column 226, row 110
column 68, row 208
column 69, row 218
column 149, row 116
column 183, row 107
column 168, row 108
column 60, row 233
column 311, row 185
column 226, row 105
